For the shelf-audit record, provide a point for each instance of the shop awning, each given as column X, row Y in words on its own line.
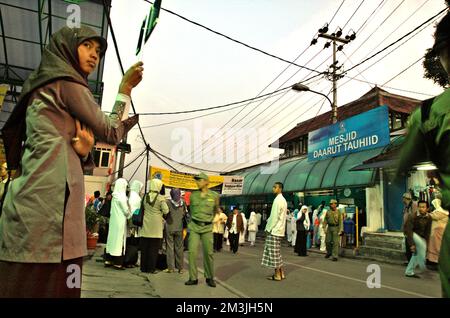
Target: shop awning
column 302, row 175
column 375, row 165
column 388, row 158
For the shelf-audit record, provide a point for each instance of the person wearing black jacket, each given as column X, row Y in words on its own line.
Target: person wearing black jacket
column 235, row 225
column 105, row 211
column 418, row 228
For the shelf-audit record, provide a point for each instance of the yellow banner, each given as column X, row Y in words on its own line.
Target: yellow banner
column 3, row 90
column 181, row 180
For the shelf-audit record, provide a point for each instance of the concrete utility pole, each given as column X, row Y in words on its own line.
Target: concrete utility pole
column 122, row 157
column 334, row 75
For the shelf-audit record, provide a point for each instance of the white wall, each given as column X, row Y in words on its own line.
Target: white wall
column 374, row 208
column 93, row 183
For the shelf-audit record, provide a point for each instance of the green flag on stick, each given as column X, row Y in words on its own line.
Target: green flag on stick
column 141, row 37
column 151, row 24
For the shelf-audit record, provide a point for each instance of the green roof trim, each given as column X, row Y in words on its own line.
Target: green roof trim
column 302, row 175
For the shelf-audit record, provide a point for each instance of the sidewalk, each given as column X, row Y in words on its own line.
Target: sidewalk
column 101, row 282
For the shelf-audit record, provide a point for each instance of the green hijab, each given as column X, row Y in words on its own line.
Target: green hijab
column 59, row 61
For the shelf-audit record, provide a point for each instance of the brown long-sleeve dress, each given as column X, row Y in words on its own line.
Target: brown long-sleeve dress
column 43, row 217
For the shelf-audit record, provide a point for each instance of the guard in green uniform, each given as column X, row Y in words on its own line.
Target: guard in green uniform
column 428, row 139
column 204, row 205
column 335, row 228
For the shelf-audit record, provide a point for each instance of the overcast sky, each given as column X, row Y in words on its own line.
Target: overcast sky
column 187, row 67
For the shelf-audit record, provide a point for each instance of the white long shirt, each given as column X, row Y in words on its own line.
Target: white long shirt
column 277, row 221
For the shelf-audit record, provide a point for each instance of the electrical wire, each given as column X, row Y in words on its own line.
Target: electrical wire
column 351, row 17
column 370, row 17
column 128, row 164
column 164, row 161
column 398, row 40
column 360, row 74
column 268, row 107
column 201, row 116
column 234, row 40
column 396, row 48
column 393, row 31
column 250, row 100
column 403, row 71
column 389, row 87
column 132, row 176
column 336, row 12
column 377, row 28
column 313, row 96
column 268, row 140
column 156, row 153
column 224, row 125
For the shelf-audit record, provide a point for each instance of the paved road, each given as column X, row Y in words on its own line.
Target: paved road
column 241, row 275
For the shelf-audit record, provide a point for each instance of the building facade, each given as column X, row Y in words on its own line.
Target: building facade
column 347, row 178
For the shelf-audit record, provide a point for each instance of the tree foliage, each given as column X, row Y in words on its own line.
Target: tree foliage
column 434, row 69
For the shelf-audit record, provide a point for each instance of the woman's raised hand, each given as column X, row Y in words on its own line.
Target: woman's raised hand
column 131, row 78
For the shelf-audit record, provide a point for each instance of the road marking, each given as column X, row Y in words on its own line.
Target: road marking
column 349, row 278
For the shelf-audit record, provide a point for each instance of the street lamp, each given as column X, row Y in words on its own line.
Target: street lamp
column 299, row 87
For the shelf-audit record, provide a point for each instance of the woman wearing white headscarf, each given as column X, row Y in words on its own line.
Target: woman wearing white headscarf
column 289, row 217
column 132, row 244
column 294, row 227
column 151, row 234
column 120, row 212
column 135, row 195
column 244, row 234
column 135, row 199
column 252, row 228
column 303, row 224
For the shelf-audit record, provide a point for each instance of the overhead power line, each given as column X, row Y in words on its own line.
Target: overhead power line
column 234, row 40
column 135, row 171
column 377, row 28
column 398, row 40
column 403, row 71
column 254, row 99
column 201, row 116
column 158, row 154
column 336, row 12
column 269, row 139
column 395, row 29
column 351, row 17
column 388, row 87
column 369, row 17
column 128, row 164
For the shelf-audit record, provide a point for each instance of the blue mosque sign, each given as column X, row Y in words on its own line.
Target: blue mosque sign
column 358, row 133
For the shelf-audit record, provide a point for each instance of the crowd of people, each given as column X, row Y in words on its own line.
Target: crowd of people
column 307, row 228
column 48, row 140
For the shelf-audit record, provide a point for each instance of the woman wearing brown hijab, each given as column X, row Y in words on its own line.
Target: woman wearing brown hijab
column 48, row 139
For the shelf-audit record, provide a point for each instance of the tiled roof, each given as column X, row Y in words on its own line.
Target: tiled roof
column 374, row 98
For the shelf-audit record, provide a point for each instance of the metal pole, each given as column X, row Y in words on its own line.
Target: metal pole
column 122, row 158
column 334, row 111
column 357, row 228
column 6, row 76
column 40, row 25
column 147, row 169
column 382, row 197
column 50, row 26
